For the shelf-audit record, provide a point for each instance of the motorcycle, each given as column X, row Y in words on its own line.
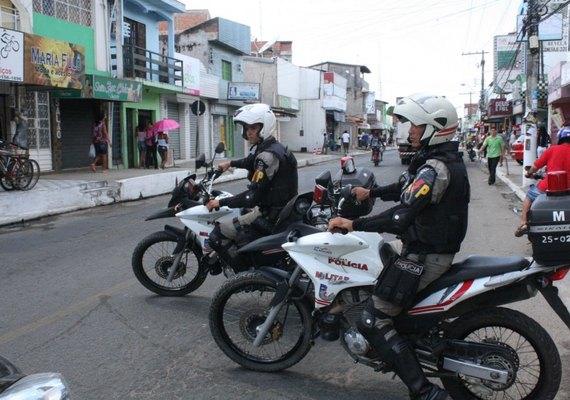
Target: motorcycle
column 175, row 261
column 268, row 320
column 41, row 386
column 471, row 151
column 378, row 153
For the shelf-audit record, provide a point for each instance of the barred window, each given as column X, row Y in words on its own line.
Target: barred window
column 36, row 109
column 76, row 11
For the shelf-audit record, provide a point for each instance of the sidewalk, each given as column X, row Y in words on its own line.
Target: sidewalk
column 57, row 193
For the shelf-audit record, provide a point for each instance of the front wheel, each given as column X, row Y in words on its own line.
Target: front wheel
column 240, row 306
column 152, row 259
column 534, row 367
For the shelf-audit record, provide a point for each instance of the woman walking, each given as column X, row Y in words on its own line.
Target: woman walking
column 151, row 158
column 101, row 141
column 141, row 144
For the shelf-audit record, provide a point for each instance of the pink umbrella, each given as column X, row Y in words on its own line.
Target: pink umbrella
column 165, row 125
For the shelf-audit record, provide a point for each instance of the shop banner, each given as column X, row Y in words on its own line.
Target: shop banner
column 500, row 107
column 11, row 55
column 100, row 87
column 190, row 73
column 50, row 62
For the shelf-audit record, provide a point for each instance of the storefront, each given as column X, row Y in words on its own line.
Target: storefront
column 558, row 98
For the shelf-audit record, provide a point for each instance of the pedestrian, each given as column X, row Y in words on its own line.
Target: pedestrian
column 543, row 140
column 512, row 139
column 20, row 138
column 365, row 138
column 101, row 141
column 162, row 143
column 554, row 158
column 345, row 141
column 150, row 139
column 325, row 142
column 431, row 220
column 272, row 172
column 141, row 144
column 495, row 147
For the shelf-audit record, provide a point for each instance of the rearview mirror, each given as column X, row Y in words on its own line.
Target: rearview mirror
column 220, row 148
column 200, row 161
column 324, row 179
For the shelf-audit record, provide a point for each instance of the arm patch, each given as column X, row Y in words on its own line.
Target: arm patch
column 259, row 172
column 419, row 192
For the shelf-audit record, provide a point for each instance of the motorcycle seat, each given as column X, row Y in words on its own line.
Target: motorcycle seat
column 474, row 267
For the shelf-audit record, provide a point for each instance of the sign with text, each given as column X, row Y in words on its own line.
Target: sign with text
column 113, row 89
column 50, row 62
column 498, row 107
column 243, row 91
column 11, row 55
column 190, row 73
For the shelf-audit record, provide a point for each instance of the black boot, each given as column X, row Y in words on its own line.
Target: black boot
column 409, row 370
column 392, row 349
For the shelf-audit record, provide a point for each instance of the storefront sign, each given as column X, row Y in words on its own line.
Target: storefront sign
column 500, row 107
column 190, row 73
column 113, row 89
column 11, row 55
column 51, row 62
column 243, row 91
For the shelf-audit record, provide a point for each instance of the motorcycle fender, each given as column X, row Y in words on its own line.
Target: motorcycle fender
column 274, row 274
column 180, row 235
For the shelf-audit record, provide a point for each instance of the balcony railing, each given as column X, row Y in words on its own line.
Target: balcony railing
column 9, row 18
column 142, row 63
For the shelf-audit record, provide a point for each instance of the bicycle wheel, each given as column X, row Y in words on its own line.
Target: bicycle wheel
column 30, row 173
column 6, row 183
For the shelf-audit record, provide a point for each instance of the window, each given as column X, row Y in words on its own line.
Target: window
column 76, row 11
column 226, row 70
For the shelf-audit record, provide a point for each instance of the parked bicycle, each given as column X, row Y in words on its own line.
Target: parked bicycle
column 17, row 170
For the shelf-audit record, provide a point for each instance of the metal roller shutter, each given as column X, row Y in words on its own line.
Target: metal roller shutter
column 77, row 117
column 174, row 135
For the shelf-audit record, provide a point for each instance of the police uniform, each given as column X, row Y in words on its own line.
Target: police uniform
column 272, row 172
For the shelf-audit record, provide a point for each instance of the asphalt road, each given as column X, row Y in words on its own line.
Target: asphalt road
column 71, row 304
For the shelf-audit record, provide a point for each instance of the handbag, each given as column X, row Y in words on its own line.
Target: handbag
column 92, row 151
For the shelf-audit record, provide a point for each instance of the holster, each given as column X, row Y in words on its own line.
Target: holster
column 399, row 281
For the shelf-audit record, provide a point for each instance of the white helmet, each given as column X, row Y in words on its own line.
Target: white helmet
column 256, row 114
column 436, row 112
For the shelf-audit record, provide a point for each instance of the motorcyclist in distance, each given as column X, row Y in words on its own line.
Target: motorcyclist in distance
column 430, row 220
column 273, row 181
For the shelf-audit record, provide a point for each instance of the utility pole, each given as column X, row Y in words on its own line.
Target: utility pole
column 482, row 98
column 531, row 25
column 529, row 128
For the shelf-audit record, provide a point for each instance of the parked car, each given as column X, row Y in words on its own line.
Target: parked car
column 517, row 150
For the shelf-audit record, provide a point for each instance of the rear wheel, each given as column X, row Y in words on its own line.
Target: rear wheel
column 152, row 259
column 534, row 368
column 240, row 306
column 29, row 174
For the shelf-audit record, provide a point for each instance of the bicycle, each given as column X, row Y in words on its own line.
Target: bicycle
column 17, row 170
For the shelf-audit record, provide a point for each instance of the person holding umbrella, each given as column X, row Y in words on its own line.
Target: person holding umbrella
column 160, row 128
column 163, row 148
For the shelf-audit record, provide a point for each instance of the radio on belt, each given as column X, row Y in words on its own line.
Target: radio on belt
column 549, row 222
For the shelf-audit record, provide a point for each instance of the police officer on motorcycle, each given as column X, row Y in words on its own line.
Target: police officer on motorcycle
column 430, row 220
column 272, row 173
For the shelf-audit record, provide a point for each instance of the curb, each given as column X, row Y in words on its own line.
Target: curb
column 80, row 195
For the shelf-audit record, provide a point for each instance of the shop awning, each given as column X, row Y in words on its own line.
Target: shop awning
column 363, row 126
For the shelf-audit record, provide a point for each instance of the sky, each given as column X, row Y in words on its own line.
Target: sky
column 410, row 46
